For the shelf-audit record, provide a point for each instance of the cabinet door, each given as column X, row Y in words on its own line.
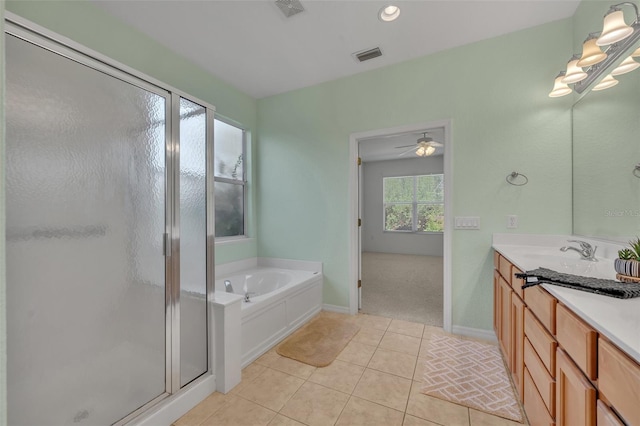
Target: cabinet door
column 505, row 320
column 619, row 381
column 517, row 342
column 575, row 396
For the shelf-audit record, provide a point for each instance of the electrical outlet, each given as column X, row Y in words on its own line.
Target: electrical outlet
column 512, row 221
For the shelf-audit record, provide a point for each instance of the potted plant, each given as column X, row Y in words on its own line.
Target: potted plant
column 628, row 261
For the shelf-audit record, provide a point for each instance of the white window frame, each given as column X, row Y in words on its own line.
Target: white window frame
column 414, row 205
column 242, row 182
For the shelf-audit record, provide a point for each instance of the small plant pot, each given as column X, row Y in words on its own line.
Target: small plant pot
column 630, row 268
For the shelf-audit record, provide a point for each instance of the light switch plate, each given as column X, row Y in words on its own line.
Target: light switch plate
column 466, row 222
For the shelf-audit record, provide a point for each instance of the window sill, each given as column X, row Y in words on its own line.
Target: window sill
column 223, row 241
column 414, row 232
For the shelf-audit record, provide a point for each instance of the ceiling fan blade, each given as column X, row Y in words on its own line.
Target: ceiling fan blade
column 406, row 146
column 435, row 144
column 407, row 151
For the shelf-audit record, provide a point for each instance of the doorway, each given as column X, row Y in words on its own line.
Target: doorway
column 400, row 240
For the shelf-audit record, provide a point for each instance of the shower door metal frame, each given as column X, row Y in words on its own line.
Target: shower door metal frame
column 58, row 44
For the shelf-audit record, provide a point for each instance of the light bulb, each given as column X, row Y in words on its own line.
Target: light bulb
column 429, row 150
column 389, row 13
column 591, row 54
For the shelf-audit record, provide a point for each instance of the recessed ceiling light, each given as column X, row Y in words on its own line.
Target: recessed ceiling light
column 389, row 13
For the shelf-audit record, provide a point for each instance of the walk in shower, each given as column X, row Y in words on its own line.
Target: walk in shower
column 109, row 244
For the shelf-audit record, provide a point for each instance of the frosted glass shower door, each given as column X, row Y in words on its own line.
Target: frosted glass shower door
column 193, row 240
column 86, row 202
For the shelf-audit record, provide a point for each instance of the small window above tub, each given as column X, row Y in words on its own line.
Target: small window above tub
column 229, row 180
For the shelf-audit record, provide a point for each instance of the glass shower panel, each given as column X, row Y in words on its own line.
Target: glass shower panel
column 85, row 188
column 193, row 241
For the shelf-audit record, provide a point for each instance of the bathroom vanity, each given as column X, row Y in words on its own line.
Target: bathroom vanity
column 574, row 356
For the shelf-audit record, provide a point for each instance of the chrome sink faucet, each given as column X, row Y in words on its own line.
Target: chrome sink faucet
column 586, row 250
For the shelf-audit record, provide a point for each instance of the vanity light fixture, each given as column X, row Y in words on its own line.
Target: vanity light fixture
column 606, row 82
column 574, row 73
column 591, row 52
column 625, row 66
column 560, row 88
column 620, row 39
column 614, row 28
column 389, row 13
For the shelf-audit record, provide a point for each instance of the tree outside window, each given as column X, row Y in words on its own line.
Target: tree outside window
column 414, row 203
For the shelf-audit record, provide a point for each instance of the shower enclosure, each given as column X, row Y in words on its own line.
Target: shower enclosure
column 109, row 237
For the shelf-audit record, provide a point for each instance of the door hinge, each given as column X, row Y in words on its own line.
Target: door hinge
column 359, row 283
column 359, row 161
column 359, row 222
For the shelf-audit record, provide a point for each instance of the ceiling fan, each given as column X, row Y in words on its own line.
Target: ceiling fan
column 424, row 146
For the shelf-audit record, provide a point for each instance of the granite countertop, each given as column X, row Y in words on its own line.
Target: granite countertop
column 617, row 319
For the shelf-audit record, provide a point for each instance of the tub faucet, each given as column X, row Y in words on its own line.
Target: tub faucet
column 227, row 286
column 247, row 296
column 586, row 250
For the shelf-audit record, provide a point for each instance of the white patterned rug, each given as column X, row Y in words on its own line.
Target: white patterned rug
column 469, row 373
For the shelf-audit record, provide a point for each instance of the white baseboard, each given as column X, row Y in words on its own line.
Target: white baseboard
column 476, row 333
column 336, row 308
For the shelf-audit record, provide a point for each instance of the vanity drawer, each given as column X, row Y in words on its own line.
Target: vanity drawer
column 517, row 283
column 543, row 380
column 534, row 405
column 504, row 266
column 619, row 381
column 606, row 417
column 578, row 339
column 543, row 305
column 541, row 341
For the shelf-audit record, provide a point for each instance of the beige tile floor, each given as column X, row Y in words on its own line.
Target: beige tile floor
column 374, row 381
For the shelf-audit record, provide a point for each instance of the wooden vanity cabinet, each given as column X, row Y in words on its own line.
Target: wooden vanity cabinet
column 565, row 372
column 575, row 395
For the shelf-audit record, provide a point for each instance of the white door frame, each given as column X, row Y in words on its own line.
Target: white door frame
column 354, row 194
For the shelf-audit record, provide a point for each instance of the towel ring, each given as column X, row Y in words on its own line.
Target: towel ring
column 636, row 170
column 514, row 175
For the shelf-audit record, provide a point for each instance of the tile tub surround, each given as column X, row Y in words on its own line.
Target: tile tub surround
column 363, row 386
column 617, row 319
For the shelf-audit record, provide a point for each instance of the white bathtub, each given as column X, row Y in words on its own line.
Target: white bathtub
column 281, row 300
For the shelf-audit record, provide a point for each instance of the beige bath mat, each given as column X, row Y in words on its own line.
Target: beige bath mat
column 319, row 342
column 469, row 373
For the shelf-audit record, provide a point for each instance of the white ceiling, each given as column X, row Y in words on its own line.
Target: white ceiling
column 252, row 46
column 391, row 147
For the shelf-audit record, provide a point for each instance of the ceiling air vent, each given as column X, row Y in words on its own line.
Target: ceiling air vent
column 365, row 55
column 290, row 7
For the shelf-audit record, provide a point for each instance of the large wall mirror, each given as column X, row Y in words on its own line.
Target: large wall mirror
column 606, row 152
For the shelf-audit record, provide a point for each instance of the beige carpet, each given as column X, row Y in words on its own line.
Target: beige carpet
column 402, row 286
column 319, row 342
column 469, row 373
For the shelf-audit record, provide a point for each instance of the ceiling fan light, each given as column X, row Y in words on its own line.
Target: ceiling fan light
column 389, row 13
column 606, row 82
column 591, row 53
column 559, row 88
column 614, row 28
column 625, row 66
column 421, row 151
column 574, row 73
column 429, row 150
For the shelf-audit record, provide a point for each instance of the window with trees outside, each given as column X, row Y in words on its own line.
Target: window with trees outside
column 229, row 179
column 414, row 203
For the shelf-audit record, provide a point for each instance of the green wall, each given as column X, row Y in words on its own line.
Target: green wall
column 88, row 25
column 495, row 92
